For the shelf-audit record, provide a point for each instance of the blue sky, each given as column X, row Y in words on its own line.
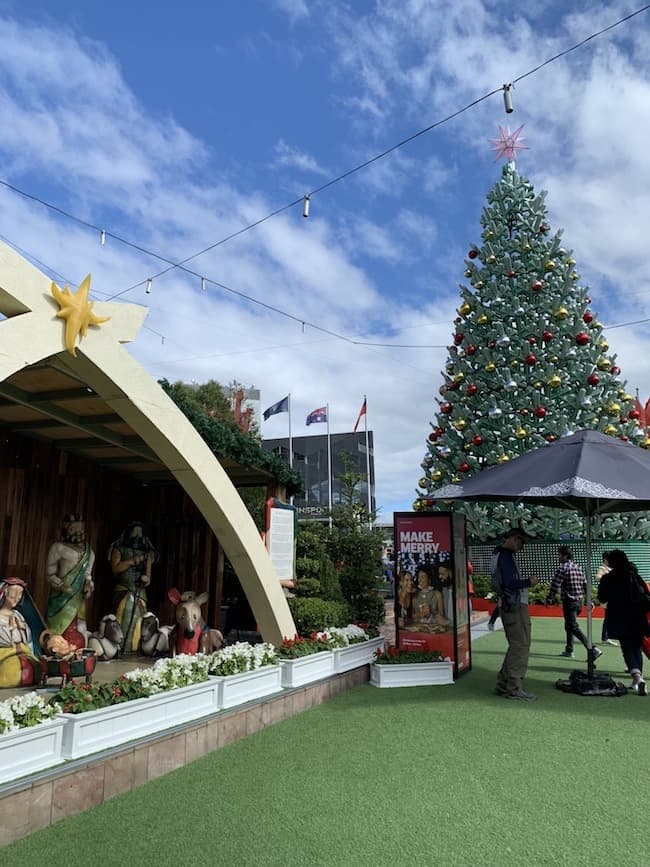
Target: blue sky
column 175, row 125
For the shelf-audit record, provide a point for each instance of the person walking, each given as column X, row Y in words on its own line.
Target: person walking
column 494, row 616
column 603, row 569
column 512, row 593
column 569, row 581
column 627, row 598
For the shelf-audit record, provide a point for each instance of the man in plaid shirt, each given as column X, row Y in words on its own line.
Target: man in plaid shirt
column 569, row 581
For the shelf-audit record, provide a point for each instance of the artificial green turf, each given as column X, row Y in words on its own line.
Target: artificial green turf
column 448, row 775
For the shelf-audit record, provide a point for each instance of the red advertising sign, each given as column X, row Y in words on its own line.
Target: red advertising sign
column 431, row 601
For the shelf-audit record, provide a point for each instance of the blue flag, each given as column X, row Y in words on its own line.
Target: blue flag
column 317, row 415
column 280, row 406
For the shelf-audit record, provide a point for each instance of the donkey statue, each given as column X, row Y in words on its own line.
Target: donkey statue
column 192, row 633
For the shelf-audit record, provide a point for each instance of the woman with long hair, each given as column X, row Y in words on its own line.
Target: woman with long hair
column 624, row 592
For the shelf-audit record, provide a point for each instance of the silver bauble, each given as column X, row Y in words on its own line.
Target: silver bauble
column 494, row 412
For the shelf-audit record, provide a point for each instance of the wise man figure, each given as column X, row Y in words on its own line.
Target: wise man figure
column 132, row 556
column 69, row 575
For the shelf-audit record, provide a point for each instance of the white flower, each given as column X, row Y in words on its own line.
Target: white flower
column 350, row 634
column 240, row 657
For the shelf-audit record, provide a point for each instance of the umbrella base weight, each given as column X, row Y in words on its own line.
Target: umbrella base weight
column 582, row 683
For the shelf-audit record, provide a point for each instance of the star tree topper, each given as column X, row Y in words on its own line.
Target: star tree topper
column 77, row 311
column 508, row 143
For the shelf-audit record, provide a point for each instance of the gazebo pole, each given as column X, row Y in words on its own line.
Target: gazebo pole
column 589, row 519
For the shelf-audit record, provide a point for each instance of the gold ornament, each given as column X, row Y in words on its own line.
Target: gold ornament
column 575, row 276
column 468, row 272
column 455, row 478
column 527, row 247
column 461, row 424
column 561, row 313
column 459, row 377
column 490, row 367
column 603, row 363
column 77, row 311
column 594, row 324
column 570, row 261
column 422, row 483
column 554, row 359
column 554, row 381
column 549, row 266
column 491, row 259
column 514, row 363
column 465, row 308
column 502, row 459
column 627, row 397
column 489, row 234
column 521, row 433
column 479, row 284
column 538, row 385
column 610, row 430
column 417, row 505
column 603, row 345
column 645, row 444
column 436, row 475
column 483, row 319
column 614, row 409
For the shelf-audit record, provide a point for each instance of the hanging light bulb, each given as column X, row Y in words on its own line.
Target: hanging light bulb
column 102, row 237
column 203, row 283
column 305, row 206
column 148, row 287
column 507, row 98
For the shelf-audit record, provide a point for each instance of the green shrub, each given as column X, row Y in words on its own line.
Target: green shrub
column 482, row 585
column 368, row 608
column 307, row 587
column 312, row 615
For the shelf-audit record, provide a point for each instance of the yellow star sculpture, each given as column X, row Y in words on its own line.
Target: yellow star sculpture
column 77, row 311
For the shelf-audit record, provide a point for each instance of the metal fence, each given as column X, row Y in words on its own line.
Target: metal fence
column 540, row 558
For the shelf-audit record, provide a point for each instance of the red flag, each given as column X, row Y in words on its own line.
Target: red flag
column 362, row 411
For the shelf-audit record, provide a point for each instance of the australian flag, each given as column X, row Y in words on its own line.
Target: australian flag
column 280, row 406
column 317, row 415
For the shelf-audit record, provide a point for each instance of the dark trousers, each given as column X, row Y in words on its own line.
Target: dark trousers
column 495, row 615
column 632, row 655
column 571, row 609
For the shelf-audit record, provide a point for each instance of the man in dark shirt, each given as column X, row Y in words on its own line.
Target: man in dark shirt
column 512, row 592
column 569, row 580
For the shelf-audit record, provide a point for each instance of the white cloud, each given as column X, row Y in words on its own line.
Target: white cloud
column 290, row 156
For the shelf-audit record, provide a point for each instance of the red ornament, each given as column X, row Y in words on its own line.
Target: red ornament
column 634, row 413
column 457, row 320
column 464, row 467
column 587, row 316
column 550, row 438
column 472, row 254
column 453, row 348
column 433, row 436
column 446, row 408
column 615, row 370
column 593, row 379
column 453, row 385
column 458, row 338
column 472, row 389
column 442, row 389
column 539, row 411
column 537, row 286
column 512, row 273
column 491, row 344
column 543, row 228
column 477, row 440
column 532, row 341
column 547, row 336
column 471, row 349
column 582, row 338
column 531, row 359
column 624, row 437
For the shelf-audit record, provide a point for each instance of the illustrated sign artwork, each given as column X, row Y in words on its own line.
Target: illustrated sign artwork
column 280, row 537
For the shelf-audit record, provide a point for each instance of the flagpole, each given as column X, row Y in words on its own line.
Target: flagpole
column 329, row 465
column 290, row 440
column 365, row 418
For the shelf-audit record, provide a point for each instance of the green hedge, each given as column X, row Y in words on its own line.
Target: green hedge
column 312, row 615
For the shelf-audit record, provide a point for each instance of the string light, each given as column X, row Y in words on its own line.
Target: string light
column 102, row 237
column 305, row 206
column 507, row 98
column 148, row 289
column 203, row 283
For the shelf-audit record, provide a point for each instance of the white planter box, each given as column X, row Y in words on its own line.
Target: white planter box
column 356, row 655
column 307, row 669
column 32, row 749
column 96, row 730
column 412, row 674
column 236, row 689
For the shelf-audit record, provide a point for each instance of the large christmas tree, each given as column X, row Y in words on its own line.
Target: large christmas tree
column 529, row 362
